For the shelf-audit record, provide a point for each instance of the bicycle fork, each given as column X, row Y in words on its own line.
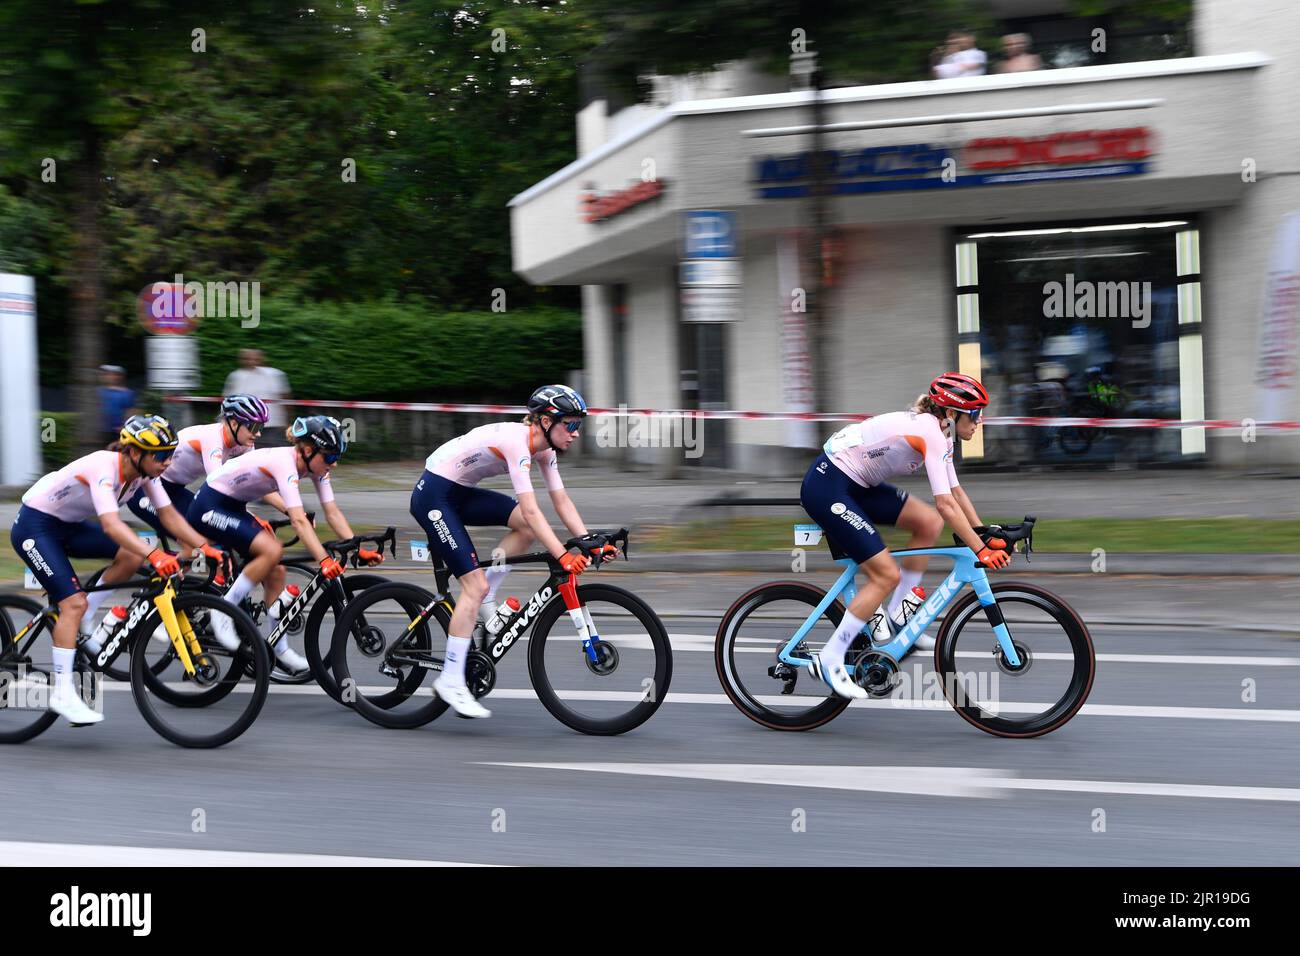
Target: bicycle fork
column 581, row 618
column 179, row 630
column 994, row 614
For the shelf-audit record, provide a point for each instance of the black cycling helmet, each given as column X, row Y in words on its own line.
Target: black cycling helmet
column 324, row 432
column 557, row 401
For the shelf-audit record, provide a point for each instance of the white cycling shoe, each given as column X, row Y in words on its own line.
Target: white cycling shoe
column 837, row 676
column 924, row 643
column 69, row 704
column 459, row 697
column 291, row 660
column 223, row 629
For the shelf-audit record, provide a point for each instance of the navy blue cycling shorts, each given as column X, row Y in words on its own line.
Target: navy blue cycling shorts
column 143, row 508
column 223, row 520
column 443, row 508
column 45, row 543
column 847, row 512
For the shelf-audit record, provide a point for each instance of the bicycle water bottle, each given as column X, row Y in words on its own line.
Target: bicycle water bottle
column 501, row 615
column 280, row 604
column 911, row 604
column 107, row 628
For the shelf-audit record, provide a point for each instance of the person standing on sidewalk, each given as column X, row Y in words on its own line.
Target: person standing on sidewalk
column 271, row 385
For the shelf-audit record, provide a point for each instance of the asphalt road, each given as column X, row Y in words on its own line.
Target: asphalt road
column 1185, row 754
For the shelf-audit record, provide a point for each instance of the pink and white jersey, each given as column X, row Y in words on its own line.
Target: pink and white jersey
column 202, row 450
column 494, row 450
column 263, row 470
column 894, row 444
column 90, row 486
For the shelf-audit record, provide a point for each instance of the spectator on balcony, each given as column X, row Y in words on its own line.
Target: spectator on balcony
column 1016, row 55
column 959, row 57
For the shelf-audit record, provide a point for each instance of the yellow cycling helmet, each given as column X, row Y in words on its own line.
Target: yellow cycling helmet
column 150, row 432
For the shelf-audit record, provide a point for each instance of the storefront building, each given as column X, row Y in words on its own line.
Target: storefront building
column 1110, row 241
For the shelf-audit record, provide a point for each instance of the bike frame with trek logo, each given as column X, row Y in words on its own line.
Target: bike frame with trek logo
column 965, row 571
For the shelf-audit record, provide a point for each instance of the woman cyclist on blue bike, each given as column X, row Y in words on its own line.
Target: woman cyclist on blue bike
column 845, row 491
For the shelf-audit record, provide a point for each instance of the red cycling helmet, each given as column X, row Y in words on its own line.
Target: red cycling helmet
column 955, row 390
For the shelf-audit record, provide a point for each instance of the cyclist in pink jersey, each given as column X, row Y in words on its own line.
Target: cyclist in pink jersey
column 446, row 498
column 57, row 521
column 846, row 492
column 202, row 449
column 220, row 510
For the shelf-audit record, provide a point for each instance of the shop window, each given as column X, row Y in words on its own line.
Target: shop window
column 1099, row 321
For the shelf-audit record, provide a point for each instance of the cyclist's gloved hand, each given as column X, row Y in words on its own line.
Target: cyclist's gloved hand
column 995, row 560
column 211, row 553
column 331, row 568
column 605, row 553
column 366, row 556
column 164, row 562
column 574, row 563
column 266, row 525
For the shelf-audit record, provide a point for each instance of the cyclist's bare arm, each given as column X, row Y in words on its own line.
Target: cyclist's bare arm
column 538, row 524
column 967, row 506
column 336, row 520
column 953, row 514
column 117, row 529
column 568, row 513
column 307, row 534
column 277, row 502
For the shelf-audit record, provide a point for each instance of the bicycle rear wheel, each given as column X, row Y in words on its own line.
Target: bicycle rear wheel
column 752, row 634
column 384, row 662
column 1057, row 662
column 231, row 686
column 26, row 673
column 625, row 685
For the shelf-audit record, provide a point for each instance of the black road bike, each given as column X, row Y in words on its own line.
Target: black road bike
column 163, row 623
column 605, row 673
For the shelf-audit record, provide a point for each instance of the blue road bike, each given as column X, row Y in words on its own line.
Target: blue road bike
column 1022, row 668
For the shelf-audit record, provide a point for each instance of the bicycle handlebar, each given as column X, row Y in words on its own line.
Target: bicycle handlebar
column 1009, row 533
column 592, row 543
column 346, row 550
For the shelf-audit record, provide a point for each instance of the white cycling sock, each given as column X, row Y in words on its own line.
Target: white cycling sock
column 64, row 658
column 240, row 589
column 495, row 575
column 454, row 667
column 906, row 581
column 93, row 601
column 838, row 645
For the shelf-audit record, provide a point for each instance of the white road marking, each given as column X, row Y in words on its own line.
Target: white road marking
column 81, row 854
column 776, row 700
column 925, row 781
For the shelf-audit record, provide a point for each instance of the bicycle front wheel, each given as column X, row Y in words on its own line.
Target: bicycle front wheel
column 1055, row 672
column 26, row 673
column 625, row 684
column 223, row 699
column 752, row 634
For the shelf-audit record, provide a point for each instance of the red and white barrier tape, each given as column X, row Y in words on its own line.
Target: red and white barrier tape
column 1032, row 421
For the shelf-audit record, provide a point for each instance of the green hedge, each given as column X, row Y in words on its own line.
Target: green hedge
column 393, row 348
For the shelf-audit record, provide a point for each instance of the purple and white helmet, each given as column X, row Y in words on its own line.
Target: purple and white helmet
column 247, row 409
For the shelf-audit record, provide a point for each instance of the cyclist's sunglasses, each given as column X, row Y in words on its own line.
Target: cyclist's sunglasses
column 330, row 459
column 975, row 414
column 164, row 455
column 253, row 430
column 572, row 426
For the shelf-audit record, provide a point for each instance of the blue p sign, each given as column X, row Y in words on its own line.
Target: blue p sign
column 710, row 234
